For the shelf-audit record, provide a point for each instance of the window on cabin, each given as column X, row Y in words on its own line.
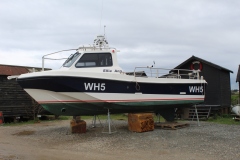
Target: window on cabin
column 71, row 59
column 95, row 60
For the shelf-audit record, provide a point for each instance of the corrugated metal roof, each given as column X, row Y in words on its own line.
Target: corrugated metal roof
column 204, row 61
column 238, row 75
column 12, row 70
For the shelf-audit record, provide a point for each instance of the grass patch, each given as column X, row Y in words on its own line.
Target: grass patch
column 64, row 118
column 224, row 119
column 52, row 118
column 19, row 123
column 234, row 99
column 44, row 119
column 104, row 117
column 118, row 117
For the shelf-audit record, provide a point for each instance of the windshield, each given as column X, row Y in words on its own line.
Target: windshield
column 71, row 59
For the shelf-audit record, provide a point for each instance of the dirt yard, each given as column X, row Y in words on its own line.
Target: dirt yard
column 53, row 140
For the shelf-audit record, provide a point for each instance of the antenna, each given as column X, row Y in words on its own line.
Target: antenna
column 104, row 30
column 101, row 17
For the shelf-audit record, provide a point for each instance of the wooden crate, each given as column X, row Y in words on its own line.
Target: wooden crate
column 140, row 122
column 78, row 126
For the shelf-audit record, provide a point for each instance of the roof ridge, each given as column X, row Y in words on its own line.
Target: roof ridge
column 205, row 61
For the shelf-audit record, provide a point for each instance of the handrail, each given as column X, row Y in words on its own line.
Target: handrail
column 172, row 73
column 43, row 57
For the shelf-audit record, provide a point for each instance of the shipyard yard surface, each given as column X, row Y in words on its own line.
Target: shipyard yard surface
column 53, row 140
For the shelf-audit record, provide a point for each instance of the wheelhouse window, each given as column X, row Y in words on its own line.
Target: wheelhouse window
column 95, row 60
column 71, row 59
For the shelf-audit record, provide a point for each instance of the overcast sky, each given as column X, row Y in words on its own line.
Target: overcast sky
column 165, row 31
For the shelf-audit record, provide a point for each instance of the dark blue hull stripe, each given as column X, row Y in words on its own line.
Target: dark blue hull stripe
column 81, row 84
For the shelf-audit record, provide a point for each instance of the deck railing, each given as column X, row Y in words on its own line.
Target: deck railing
column 45, row 56
column 166, row 73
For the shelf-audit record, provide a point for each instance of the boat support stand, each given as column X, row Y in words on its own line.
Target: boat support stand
column 109, row 124
column 158, row 118
column 95, row 117
column 196, row 112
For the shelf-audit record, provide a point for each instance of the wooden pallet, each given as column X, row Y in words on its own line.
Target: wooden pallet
column 237, row 119
column 171, row 125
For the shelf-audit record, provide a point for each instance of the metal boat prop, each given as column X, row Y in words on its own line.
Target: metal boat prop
column 90, row 82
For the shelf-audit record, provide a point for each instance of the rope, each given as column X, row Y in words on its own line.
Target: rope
column 137, row 86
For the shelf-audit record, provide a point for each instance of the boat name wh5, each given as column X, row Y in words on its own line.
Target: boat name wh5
column 196, row 89
column 95, row 86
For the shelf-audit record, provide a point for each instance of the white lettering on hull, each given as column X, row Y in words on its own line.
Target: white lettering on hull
column 196, row 89
column 94, row 86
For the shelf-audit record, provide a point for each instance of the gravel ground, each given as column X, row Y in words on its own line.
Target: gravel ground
column 53, row 140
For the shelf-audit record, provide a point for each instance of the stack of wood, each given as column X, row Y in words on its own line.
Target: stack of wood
column 1, row 117
column 140, row 122
column 78, row 126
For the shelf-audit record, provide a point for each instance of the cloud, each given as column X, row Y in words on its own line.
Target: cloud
column 167, row 32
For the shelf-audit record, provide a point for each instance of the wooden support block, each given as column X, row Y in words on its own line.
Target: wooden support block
column 140, row 122
column 78, row 126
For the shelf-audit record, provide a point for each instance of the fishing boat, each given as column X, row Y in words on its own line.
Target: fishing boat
column 90, row 82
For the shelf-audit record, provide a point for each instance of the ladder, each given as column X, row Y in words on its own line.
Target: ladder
column 202, row 113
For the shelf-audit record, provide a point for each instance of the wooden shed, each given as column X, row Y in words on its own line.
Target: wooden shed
column 14, row 101
column 218, row 89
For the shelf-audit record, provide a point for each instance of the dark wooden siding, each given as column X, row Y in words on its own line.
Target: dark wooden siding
column 218, row 91
column 14, row 100
column 225, row 89
column 212, row 76
column 238, row 75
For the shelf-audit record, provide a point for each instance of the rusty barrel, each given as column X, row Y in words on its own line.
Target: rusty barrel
column 1, row 117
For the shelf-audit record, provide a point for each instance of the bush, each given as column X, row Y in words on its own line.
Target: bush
column 234, row 99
